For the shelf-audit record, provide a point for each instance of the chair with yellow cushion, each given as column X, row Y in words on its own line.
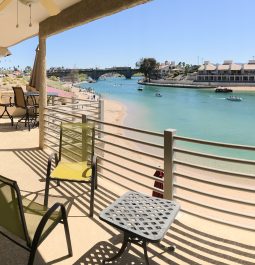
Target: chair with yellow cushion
column 76, row 161
column 27, row 223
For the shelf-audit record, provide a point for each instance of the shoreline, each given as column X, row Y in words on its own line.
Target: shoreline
column 176, row 85
column 199, row 86
column 114, row 112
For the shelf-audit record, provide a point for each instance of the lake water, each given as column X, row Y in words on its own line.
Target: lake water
column 196, row 113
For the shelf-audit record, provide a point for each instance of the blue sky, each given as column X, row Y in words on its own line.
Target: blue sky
column 175, row 30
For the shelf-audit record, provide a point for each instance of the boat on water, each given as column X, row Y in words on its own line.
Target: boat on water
column 223, row 90
column 158, row 94
column 140, row 88
column 234, row 98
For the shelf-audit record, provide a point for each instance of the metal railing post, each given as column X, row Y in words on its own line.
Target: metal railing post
column 84, row 118
column 73, row 107
column 168, row 163
column 84, row 137
column 101, row 115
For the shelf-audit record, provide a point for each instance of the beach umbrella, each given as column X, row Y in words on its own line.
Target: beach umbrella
column 34, row 74
column 4, row 52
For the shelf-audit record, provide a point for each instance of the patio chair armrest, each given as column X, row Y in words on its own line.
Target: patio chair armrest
column 51, row 157
column 94, row 160
column 10, row 102
column 43, row 222
column 93, row 167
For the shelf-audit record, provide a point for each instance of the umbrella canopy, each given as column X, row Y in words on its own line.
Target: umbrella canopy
column 4, row 52
column 34, row 76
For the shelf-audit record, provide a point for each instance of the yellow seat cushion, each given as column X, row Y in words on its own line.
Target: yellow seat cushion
column 76, row 171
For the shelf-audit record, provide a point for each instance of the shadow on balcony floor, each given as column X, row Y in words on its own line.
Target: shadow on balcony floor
column 11, row 254
column 104, row 250
column 198, row 241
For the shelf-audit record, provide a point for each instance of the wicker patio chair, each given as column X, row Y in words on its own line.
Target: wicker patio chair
column 26, row 222
column 76, row 161
column 30, row 116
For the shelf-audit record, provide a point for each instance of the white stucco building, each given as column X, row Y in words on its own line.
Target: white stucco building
column 227, row 72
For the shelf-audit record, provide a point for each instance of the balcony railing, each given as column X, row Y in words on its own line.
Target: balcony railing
column 208, row 184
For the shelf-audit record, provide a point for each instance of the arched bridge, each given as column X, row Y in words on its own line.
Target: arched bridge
column 92, row 73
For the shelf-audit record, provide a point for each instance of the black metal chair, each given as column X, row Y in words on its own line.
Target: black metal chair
column 5, row 105
column 30, row 116
column 26, row 222
column 76, row 161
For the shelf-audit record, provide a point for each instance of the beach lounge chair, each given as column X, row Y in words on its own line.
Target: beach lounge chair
column 30, row 116
column 76, row 161
column 25, row 221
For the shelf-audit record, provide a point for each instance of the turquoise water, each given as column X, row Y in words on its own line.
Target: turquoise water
column 196, row 113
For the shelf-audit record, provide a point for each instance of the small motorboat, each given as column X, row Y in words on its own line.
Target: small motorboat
column 158, row 94
column 223, row 90
column 140, row 88
column 234, row 98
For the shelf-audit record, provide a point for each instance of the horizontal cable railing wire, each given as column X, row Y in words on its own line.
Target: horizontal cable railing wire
column 209, row 194
column 130, row 149
column 140, row 174
column 127, row 128
column 128, row 179
column 227, row 145
column 221, row 158
column 130, row 139
column 203, row 179
column 118, row 183
column 129, row 157
column 117, row 152
column 211, row 182
column 178, row 162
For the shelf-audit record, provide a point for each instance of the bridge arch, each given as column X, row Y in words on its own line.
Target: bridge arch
column 128, row 72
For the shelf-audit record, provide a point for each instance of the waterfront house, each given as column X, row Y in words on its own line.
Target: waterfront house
column 166, row 68
column 227, row 72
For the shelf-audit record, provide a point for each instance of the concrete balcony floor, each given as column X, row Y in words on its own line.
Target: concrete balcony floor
column 198, row 241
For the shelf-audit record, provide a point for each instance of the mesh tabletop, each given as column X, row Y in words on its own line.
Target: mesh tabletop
column 144, row 216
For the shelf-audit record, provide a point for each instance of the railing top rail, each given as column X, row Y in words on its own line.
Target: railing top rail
column 65, row 113
column 127, row 128
column 67, row 106
column 74, row 97
column 205, row 142
column 147, row 143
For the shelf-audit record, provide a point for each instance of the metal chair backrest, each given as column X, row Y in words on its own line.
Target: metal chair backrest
column 19, row 97
column 77, row 142
column 11, row 209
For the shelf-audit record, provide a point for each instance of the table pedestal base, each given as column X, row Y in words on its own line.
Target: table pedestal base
column 128, row 239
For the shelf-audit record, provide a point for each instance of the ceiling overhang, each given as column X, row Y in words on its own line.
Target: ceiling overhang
column 84, row 12
column 73, row 13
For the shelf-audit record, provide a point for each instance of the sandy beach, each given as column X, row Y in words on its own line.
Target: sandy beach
column 242, row 88
column 115, row 112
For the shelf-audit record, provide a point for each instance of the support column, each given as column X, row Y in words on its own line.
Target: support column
column 42, row 88
column 168, row 163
